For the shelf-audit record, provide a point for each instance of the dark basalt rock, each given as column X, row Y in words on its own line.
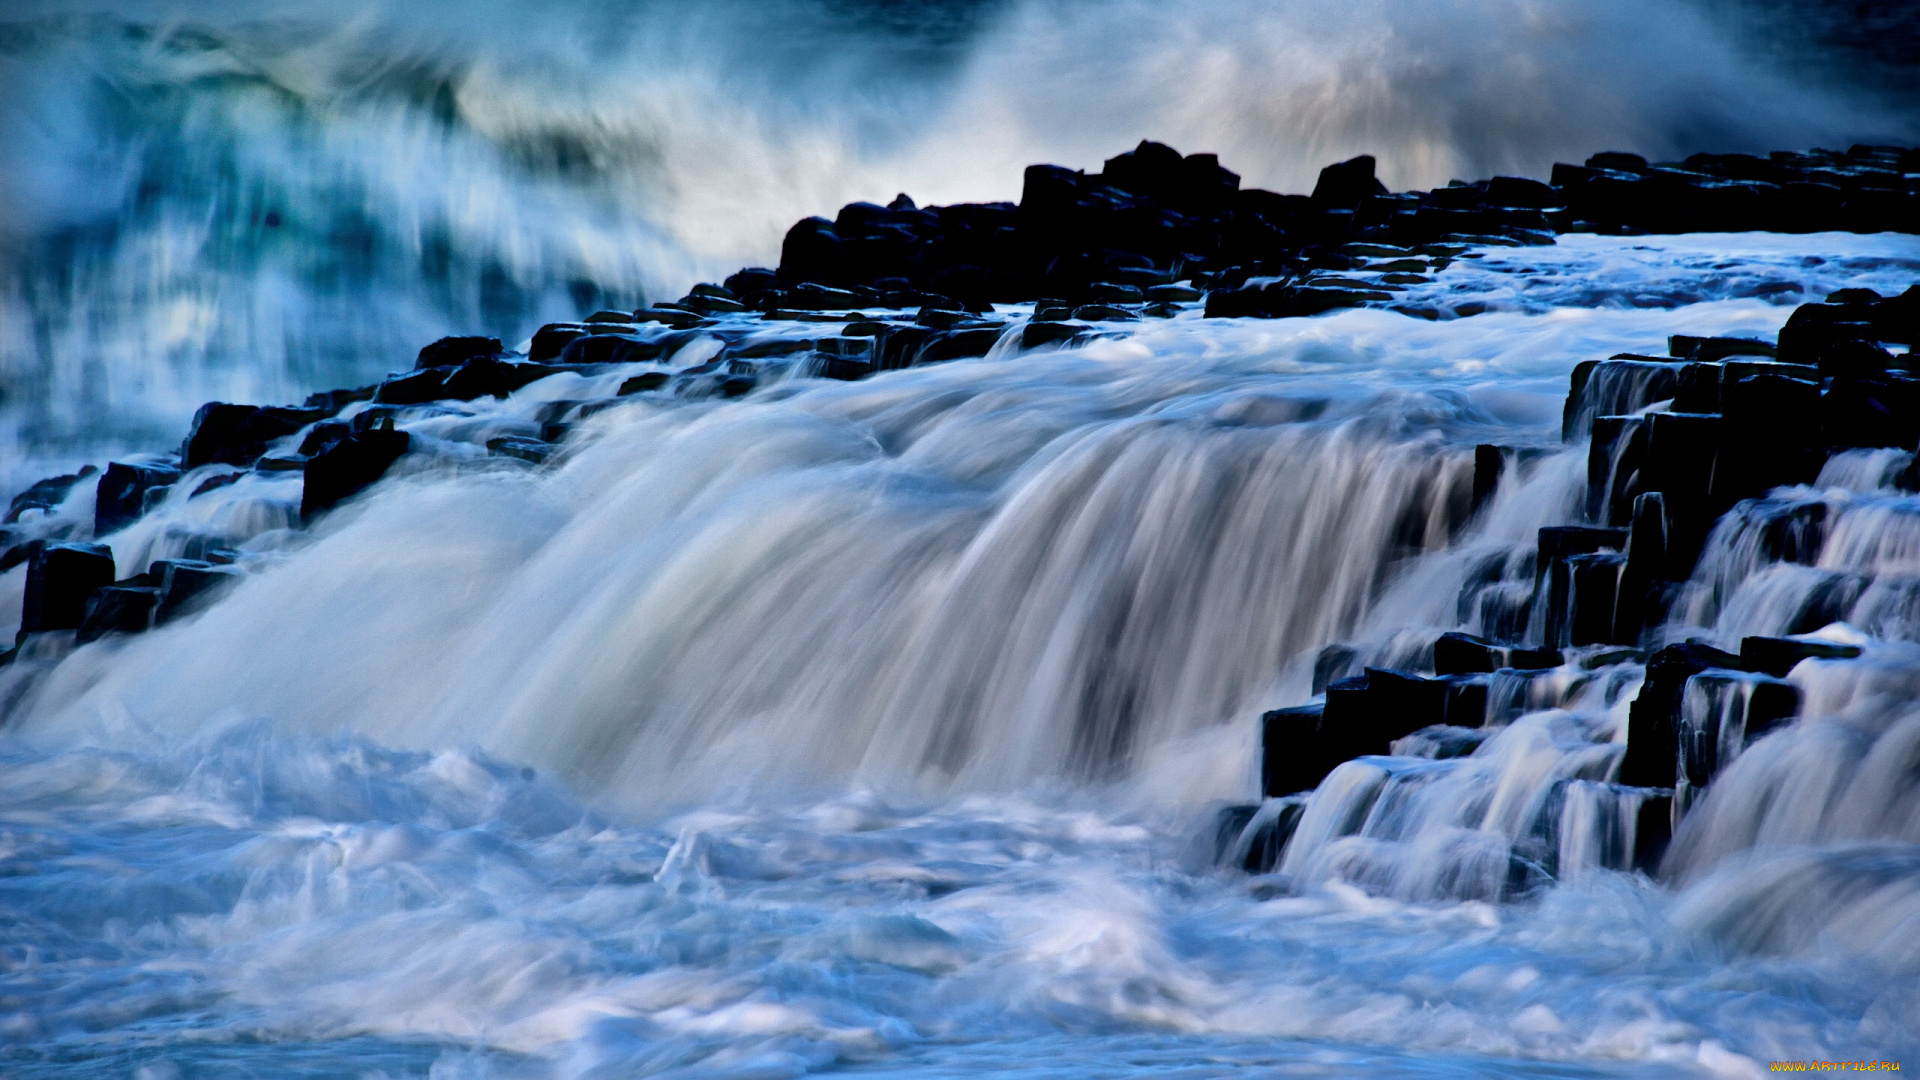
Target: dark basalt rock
column 1519, row 191
column 1777, row 656
column 122, row 609
column 844, row 368
column 1456, row 653
column 239, row 434
column 1724, row 713
column 121, row 496
column 46, row 494
column 20, row 553
column 321, row 436
column 350, row 465
column 60, row 577
column 613, row 349
column 1709, row 349
column 1296, row 753
column 490, row 378
column 188, row 585
column 332, row 401
column 641, row 383
column 1343, row 185
column 1363, row 714
column 1152, row 217
column 520, row 448
column 454, row 351
column 957, row 344
column 414, row 388
column 551, row 340
column 1653, row 720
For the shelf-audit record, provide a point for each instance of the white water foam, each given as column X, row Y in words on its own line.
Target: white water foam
column 250, row 202
column 871, row 723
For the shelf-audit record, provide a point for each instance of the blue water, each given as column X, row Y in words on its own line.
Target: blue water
column 873, row 728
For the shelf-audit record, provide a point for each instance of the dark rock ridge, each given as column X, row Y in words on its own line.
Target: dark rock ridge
column 1152, row 217
column 882, row 288
column 1680, row 445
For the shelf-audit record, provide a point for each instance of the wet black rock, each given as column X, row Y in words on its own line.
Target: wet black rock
column 121, row 496
column 1344, row 185
column 349, row 466
column 520, row 448
column 46, row 494
column 552, row 339
column 454, row 351
column 1777, row 656
column 614, row 349
column 123, row 609
column 60, row 577
column 332, row 401
column 1296, row 752
column 1653, row 720
column 414, row 388
column 490, row 378
column 188, row 585
column 643, row 382
column 239, row 434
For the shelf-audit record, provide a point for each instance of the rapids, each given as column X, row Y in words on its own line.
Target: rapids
column 882, row 728
column 879, row 727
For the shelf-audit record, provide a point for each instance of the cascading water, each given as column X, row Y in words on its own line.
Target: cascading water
column 869, row 727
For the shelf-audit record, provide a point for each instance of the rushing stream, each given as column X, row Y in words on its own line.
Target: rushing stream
column 880, row 728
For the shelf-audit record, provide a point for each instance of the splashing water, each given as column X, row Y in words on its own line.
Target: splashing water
column 252, row 203
column 866, row 727
column 894, row 705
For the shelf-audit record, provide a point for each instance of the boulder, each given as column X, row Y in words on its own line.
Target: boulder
column 330, row 402
column 1653, row 719
column 1722, row 712
column 117, row 609
column 1777, row 656
column 1456, row 653
column 1296, row 753
column 1709, row 349
column 613, row 349
column 1866, row 411
column 844, row 368
column 239, row 434
column 552, row 339
column 121, row 496
column 454, row 351
column 643, row 382
column 810, row 252
column 1520, row 191
column 46, row 494
column 1614, row 159
column 1342, row 186
column 520, row 448
column 189, row 585
column 414, row 388
column 350, row 465
column 491, row 378
column 321, row 436
column 957, row 344
column 1771, row 434
column 60, row 577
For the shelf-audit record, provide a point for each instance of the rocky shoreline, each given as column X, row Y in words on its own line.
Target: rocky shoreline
column 1680, row 444
column 1683, row 448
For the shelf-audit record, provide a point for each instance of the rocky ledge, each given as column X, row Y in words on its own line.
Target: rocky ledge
column 1696, row 463
column 1153, row 234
